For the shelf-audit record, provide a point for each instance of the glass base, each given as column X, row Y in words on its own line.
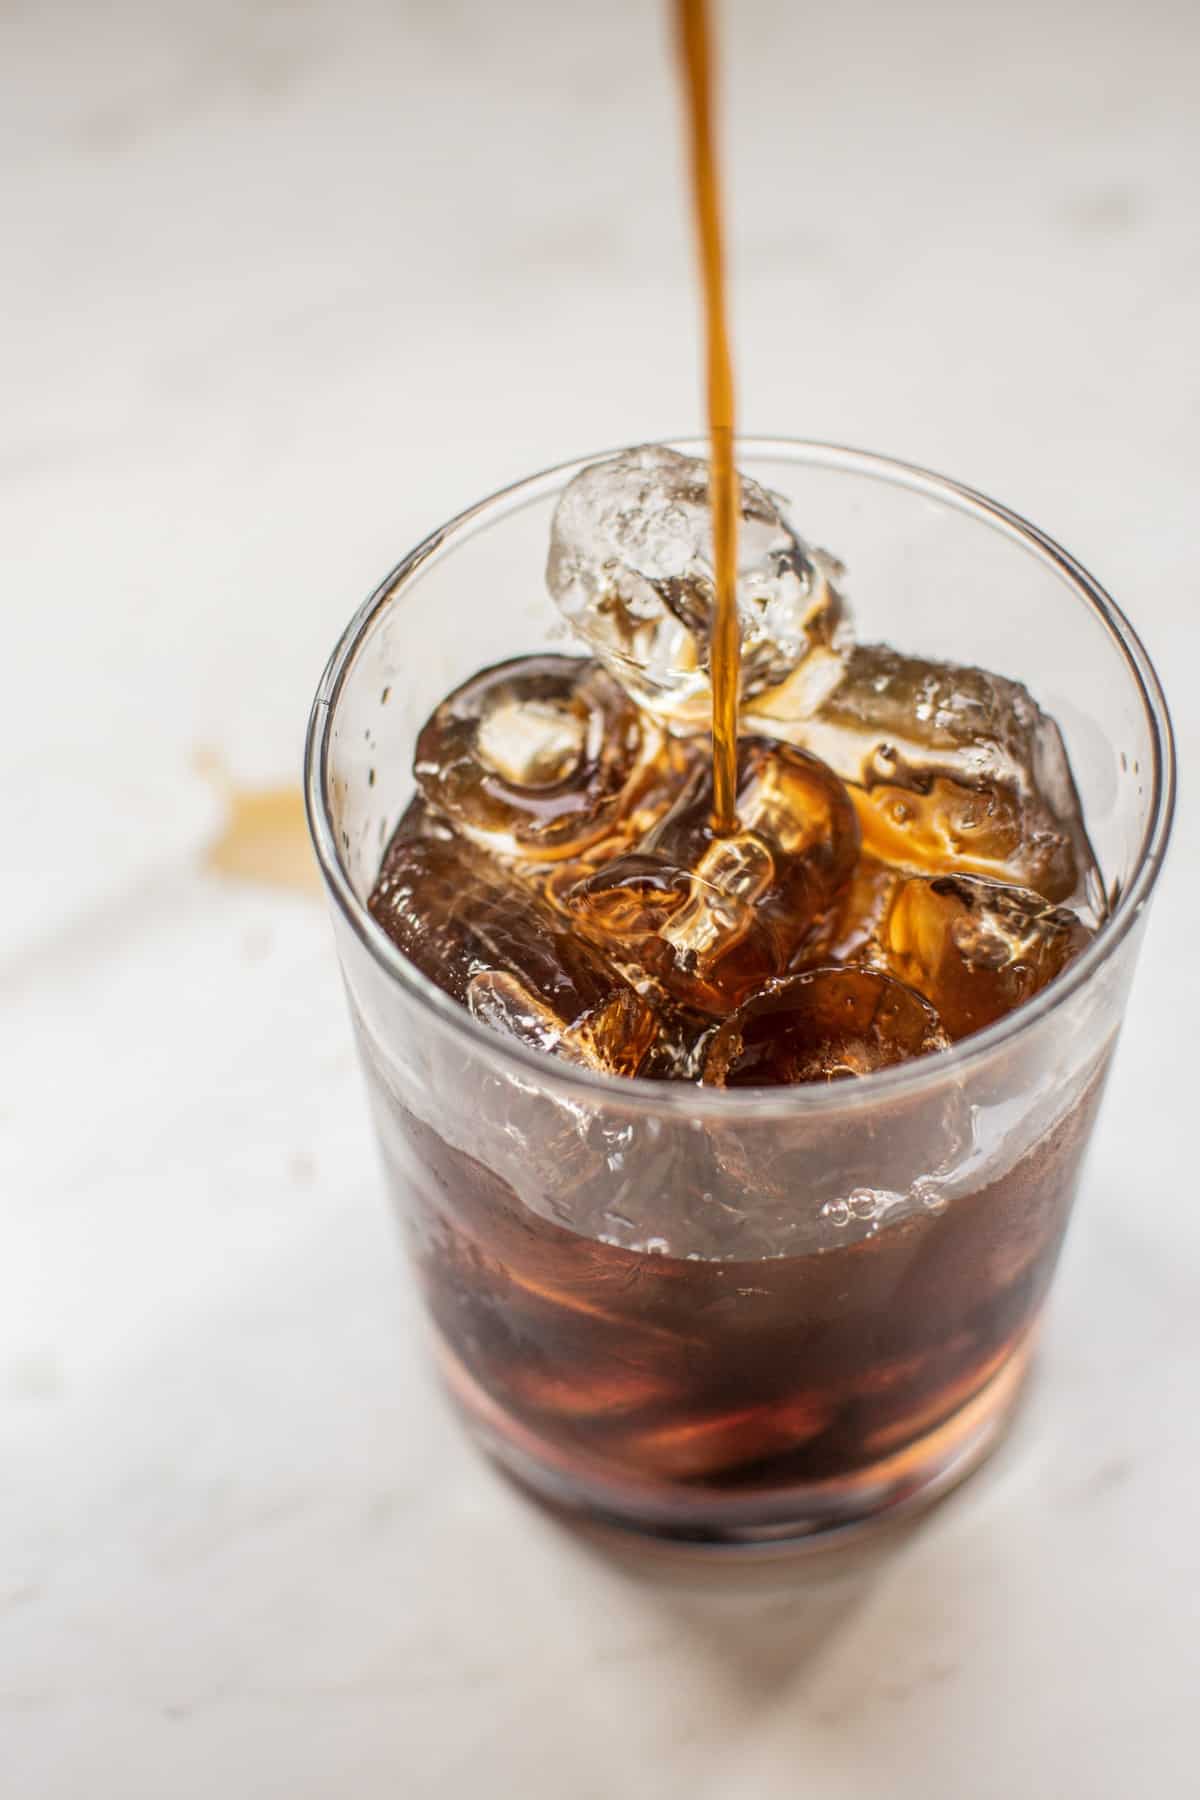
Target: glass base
column 804, row 1516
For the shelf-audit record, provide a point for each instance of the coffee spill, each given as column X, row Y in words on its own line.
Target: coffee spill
column 725, row 649
column 264, row 838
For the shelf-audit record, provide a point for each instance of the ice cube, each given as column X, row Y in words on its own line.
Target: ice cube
column 850, row 933
column 975, row 948
column 544, row 757
column 824, row 1025
column 811, row 1171
column 492, row 943
column 953, row 769
column 707, row 918
column 678, row 1048
column 630, row 566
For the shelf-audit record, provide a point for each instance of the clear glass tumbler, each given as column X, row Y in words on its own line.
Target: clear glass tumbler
column 741, row 1316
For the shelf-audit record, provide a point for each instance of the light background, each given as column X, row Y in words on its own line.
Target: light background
column 283, row 286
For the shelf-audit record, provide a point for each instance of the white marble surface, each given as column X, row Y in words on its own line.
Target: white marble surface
column 285, row 284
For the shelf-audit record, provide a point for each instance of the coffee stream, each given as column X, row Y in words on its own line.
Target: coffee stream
column 265, row 838
column 695, row 40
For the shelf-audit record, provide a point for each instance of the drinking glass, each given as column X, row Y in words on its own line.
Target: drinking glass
column 749, row 1316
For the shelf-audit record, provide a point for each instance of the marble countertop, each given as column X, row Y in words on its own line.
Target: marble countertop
column 286, row 284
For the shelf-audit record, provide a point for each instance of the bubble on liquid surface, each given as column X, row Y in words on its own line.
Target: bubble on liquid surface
column 863, row 1206
column 630, row 566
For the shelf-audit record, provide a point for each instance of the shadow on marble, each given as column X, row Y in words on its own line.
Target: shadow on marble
column 760, row 1621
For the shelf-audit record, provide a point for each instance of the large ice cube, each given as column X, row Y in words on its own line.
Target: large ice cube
column 544, row 757
column 825, row 1025
column 491, row 942
column 631, row 568
column 953, row 769
column 977, row 949
column 974, row 948
column 811, row 1171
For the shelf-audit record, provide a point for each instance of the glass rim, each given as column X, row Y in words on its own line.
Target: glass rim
column 690, row 1097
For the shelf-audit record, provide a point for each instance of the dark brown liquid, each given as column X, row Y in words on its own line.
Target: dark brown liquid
column 657, row 1381
column 725, row 648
